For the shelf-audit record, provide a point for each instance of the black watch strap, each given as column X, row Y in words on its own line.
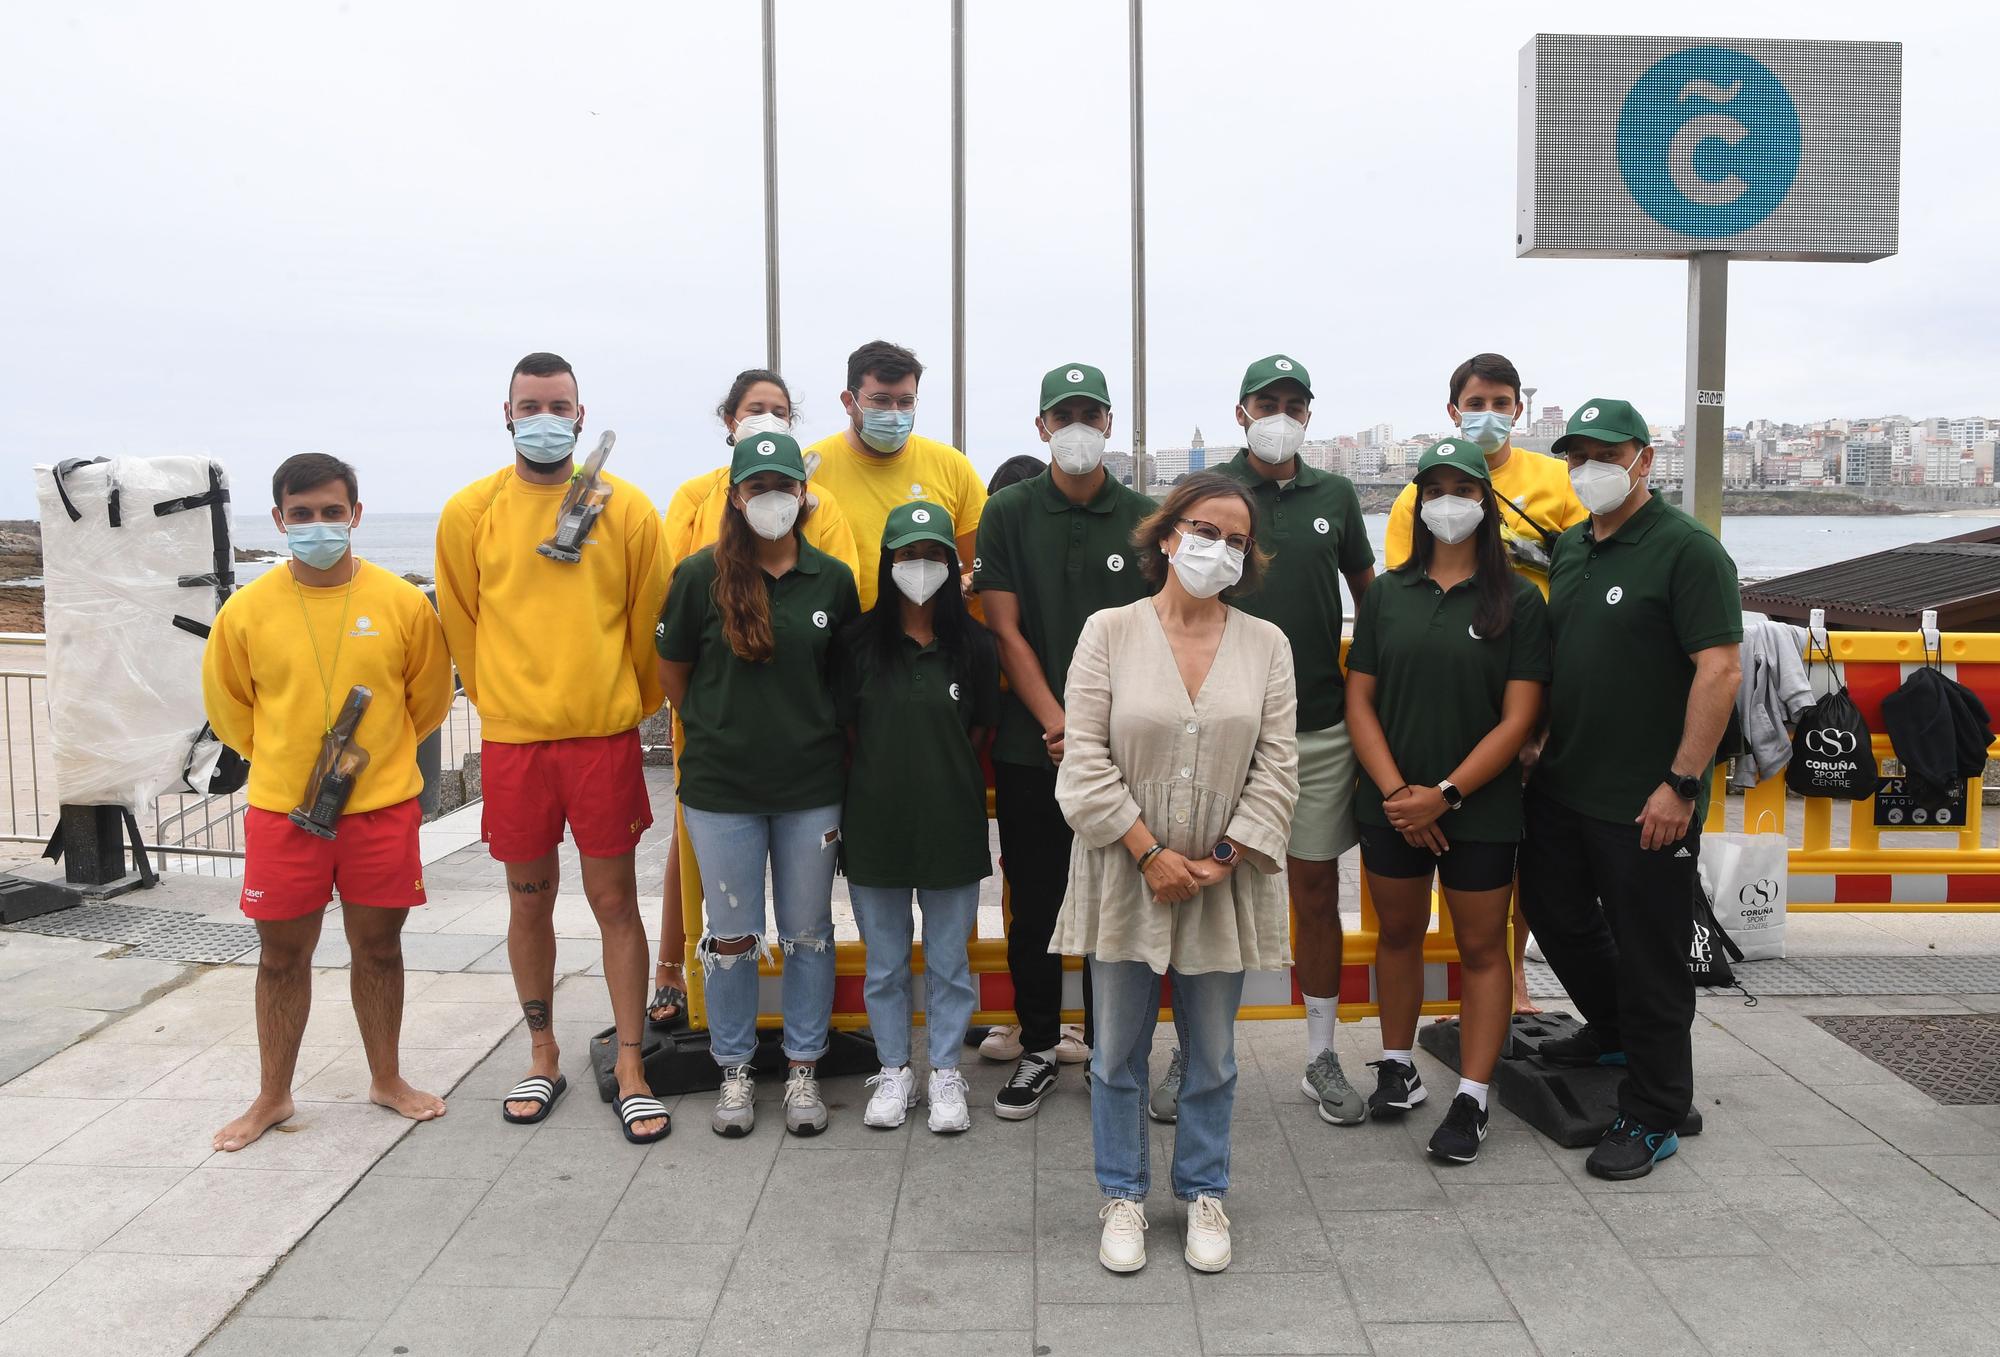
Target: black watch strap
column 1687, row 788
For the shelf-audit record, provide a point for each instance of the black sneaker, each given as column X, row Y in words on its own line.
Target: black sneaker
column 1398, row 1088
column 1629, row 1150
column 1033, row 1077
column 1583, row 1047
column 1456, row 1140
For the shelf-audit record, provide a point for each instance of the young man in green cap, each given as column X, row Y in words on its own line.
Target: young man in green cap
column 1646, row 617
column 1053, row 549
column 1310, row 522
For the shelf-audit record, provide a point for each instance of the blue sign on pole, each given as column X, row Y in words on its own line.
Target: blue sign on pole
column 1708, row 142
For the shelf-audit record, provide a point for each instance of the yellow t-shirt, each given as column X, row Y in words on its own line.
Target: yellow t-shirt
column 549, row 650
column 1538, row 483
column 694, row 520
column 870, row 487
column 270, row 697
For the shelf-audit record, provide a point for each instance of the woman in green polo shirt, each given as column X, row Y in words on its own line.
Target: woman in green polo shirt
column 919, row 692
column 746, row 644
column 1445, row 685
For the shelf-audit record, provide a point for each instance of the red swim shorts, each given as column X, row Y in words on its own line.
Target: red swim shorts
column 596, row 784
column 373, row 859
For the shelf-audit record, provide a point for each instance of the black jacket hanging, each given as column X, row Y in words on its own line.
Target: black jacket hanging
column 1940, row 729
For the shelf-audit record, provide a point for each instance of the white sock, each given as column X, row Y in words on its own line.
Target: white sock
column 1478, row 1092
column 1403, row 1056
column 1322, row 1019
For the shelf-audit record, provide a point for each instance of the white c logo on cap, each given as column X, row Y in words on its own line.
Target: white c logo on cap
column 1322, row 527
column 1589, row 413
column 1614, row 593
column 1073, row 375
column 766, row 448
column 1283, row 365
column 819, row 620
column 1114, row 562
column 920, row 515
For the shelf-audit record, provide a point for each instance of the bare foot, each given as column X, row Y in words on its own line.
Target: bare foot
column 262, row 1116
column 632, row 1088
column 547, row 1062
column 1523, row 1006
column 397, row 1095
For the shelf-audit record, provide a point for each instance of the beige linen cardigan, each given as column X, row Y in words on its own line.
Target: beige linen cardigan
column 1223, row 764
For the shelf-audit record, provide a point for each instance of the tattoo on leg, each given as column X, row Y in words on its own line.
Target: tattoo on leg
column 632, row 1044
column 530, row 887
column 537, row 1013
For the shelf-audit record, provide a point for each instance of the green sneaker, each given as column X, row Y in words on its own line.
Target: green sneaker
column 1166, row 1100
column 1326, row 1084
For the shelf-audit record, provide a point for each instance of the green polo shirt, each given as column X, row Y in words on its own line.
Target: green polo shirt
column 760, row 738
column 1439, row 689
column 1314, row 532
column 916, row 794
column 1063, row 562
column 1627, row 614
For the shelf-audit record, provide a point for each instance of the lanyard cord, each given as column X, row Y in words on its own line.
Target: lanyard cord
column 340, row 633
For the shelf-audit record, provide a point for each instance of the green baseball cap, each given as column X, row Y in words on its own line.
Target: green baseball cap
column 1074, row 379
column 1454, row 452
column 917, row 521
column 766, row 452
column 1607, row 421
column 1276, row 368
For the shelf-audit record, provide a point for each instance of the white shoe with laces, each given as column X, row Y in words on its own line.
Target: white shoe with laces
column 949, row 1114
column 1070, row 1049
column 1001, row 1044
column 1122, row 1246
column 895, row 1094
column 805, row 1110
column 1207, row 1235
column 735, row 1106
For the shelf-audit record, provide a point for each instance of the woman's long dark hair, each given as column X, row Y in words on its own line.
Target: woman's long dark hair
column 1492, row 576
column 878, row 632
column 739, row 583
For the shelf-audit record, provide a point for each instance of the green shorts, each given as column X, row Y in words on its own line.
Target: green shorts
column 1323, row 823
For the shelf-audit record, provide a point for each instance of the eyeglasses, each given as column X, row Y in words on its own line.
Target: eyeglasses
column 1210, row 533
column 882, row 400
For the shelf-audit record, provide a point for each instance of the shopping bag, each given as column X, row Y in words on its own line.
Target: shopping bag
column 1711, row 948
column 1744, row 878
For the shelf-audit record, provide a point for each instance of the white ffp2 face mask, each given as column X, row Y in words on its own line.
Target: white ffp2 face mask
column 1603, row 486
column 1452, row 518
column 772, row 513
column 1205, row 568
column 918, row 580
column 1275, row 438
column 1077, row 448
column 751, row 425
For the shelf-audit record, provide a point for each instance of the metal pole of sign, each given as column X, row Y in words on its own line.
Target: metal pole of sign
column 771, row 355
column 958, row 224
column 1708, row 336
column 1139, row 477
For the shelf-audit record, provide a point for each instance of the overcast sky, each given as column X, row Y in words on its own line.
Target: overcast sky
column 255, row 229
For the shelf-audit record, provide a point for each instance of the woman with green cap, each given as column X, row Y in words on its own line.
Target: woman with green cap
column 1445, row 682
column 919, row 693
column 746, row 644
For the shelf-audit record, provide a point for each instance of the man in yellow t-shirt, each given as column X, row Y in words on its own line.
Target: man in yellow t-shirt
column 286, row 652
column 876, row 463
column 558, row 658
column 1485, row 403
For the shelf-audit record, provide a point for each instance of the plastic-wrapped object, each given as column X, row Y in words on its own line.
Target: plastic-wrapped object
column 136, row 559
column 588, row 493
column 340, row 762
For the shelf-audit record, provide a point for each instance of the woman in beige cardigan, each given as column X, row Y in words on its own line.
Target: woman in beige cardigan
column 1179, row 778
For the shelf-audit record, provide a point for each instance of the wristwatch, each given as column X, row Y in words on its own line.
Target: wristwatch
column 1225, row 853
column 1686, row 788
column 1453, row 797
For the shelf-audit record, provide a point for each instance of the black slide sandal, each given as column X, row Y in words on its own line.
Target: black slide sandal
column 643, row 1107
column 535, row 1088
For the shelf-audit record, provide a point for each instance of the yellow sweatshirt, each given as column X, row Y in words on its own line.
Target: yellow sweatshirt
column 548, row 650
column 268, row 698
column 694, row 520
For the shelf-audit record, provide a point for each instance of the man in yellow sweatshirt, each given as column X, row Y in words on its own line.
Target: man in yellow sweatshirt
column 558, row 658
column 284, row 656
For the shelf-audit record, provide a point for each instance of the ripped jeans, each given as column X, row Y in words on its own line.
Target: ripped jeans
column 732, row 850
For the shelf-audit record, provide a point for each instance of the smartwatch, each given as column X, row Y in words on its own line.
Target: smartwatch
column 1453, row 798
column 1686, row 788
column 1225, row 853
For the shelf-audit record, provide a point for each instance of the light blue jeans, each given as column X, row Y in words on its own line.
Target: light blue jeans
column 732, row 850
column 1128, row 1009
column 883, row 913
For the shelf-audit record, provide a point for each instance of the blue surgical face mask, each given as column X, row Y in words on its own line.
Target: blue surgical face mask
column 318, row 545
column 886, row 430
column 544, row 439
column 1488, row 428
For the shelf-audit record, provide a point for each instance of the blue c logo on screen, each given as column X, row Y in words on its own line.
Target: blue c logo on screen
column 1708, row 142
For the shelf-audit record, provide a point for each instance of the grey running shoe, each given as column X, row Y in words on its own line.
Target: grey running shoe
column 805, row 1110
column 1166, row 1103
column 1326, row 1084
column 735, row 1108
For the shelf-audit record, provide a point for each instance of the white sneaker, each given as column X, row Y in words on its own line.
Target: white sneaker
column 949, row 1114
column 1070, row 1049
column 895, row 1094
column 1001, row 1045
column 1122, row 1246
column 1207, row 1235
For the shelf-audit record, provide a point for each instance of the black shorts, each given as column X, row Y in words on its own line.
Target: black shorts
column 1467, row 867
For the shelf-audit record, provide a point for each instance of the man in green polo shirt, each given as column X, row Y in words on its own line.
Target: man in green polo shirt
column 1310, row 522
column 1646, row 617
column 1053, row 549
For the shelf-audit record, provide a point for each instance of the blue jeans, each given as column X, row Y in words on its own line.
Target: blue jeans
column 883, row 912
column 732, row 851
column 1128, row 1009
